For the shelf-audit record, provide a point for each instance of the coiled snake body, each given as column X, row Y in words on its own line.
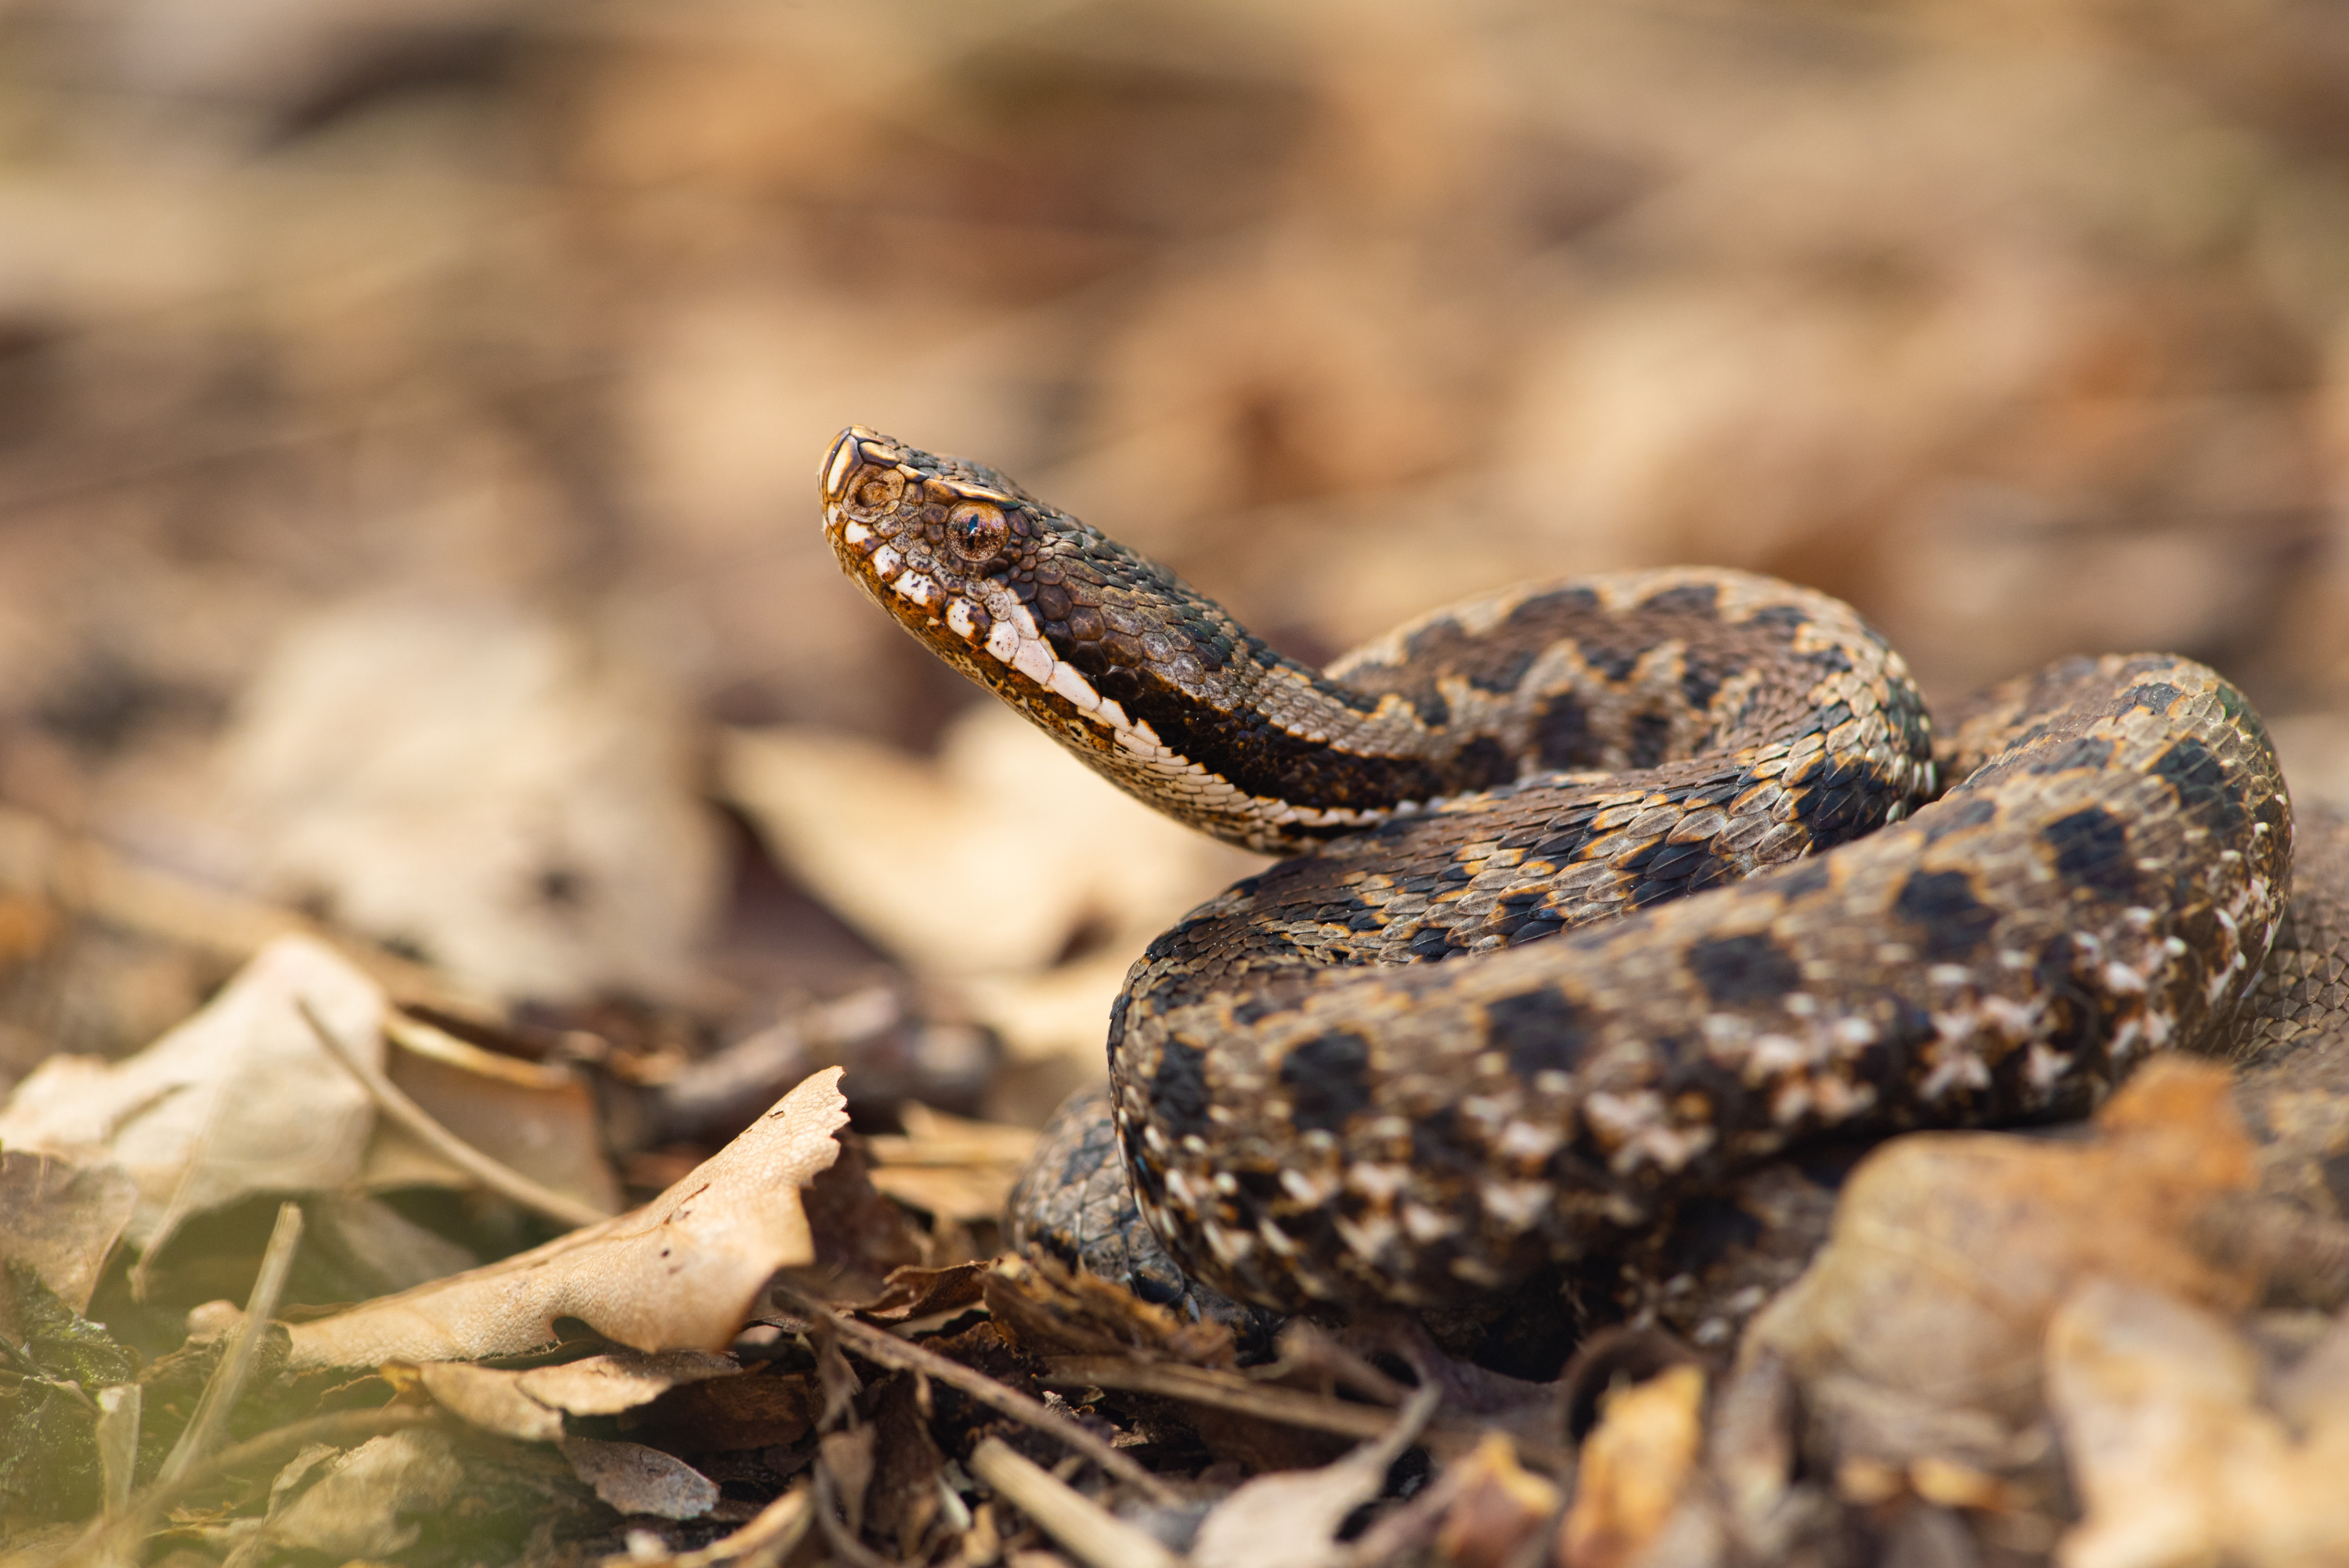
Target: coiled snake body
column 1476, row 1025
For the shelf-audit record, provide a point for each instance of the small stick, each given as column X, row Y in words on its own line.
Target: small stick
column 1200, row 1385
column 502, row 1180
column 836, row 1532
column 117, row 1444
column 227, row 1382
column 904, row 1355
column 1066, row 1514
column 768, row 1538
column 1266, row 1401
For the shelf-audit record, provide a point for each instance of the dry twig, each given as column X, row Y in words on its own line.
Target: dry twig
column 502, row 1180
column 1067, row 1515
column 1266, row 1401
column 888, row 1350
column 227, row 1381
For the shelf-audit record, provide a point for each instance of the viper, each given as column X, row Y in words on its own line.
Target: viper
column 1600, row 891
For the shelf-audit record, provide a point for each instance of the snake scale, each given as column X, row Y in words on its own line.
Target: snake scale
column 1600, row 891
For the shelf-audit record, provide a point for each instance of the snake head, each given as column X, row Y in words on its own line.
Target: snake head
column 1003, row 587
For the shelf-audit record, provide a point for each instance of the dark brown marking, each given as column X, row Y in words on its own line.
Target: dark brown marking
column 2203, row 788
column 1539, row 1031
column 1740, row 969
column 1326, row 1079
column 2092, row 850
column 1562, row 738
column 1178, row 1090
column 1953, row 924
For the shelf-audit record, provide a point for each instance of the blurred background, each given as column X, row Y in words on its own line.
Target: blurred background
column 410, row 409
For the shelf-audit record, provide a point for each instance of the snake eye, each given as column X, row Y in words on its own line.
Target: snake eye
column 976, row 530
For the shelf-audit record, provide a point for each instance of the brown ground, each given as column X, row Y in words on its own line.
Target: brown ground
column 408, row 416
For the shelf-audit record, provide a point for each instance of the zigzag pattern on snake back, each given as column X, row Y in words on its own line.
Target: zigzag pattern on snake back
column 1610, row 888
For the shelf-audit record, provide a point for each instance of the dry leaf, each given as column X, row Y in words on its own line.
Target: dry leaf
column 1949, row 1251
column 948, row 1166
column 766, row 1540
column 964, row 1196
column 237, row 1100
column 374, row 1246
column 634, row 1478
column 61, row 1220
column 847, row 1458
column 2177, row 1460
column 494, row 789
column 848, row 815
column 606, row 1385
column 748, row 1410
column 1635, row 1465
column 490, row 1397
column 913, row 1293
column 1291, row 1520
column 682, row 1272
column 1497, row 1505
column 538, row 1119
column 365, row 1505
column 907, row 1465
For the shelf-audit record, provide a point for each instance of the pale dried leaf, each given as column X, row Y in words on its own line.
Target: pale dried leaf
column 237, row 1100
column 966, row 1194
column 1495, row 1506
column 289, row 1478
column 846, row 1456
column 61, row 1219
column 1635, row 1465
column 1949, row 1251
column 367, row 1504
column 848, row 815
column 2315, row 1391
column 492, row 1398
column 682, row 1272
column 634, row 1478
column 606, row 1385
column 2176, row 1458
column 1291, row 1520
column 501, row 788
column 950, row 1166
column 539, row 1119
column 935, row 1138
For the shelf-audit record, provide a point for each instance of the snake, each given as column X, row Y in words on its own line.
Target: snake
column 1597, row 891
